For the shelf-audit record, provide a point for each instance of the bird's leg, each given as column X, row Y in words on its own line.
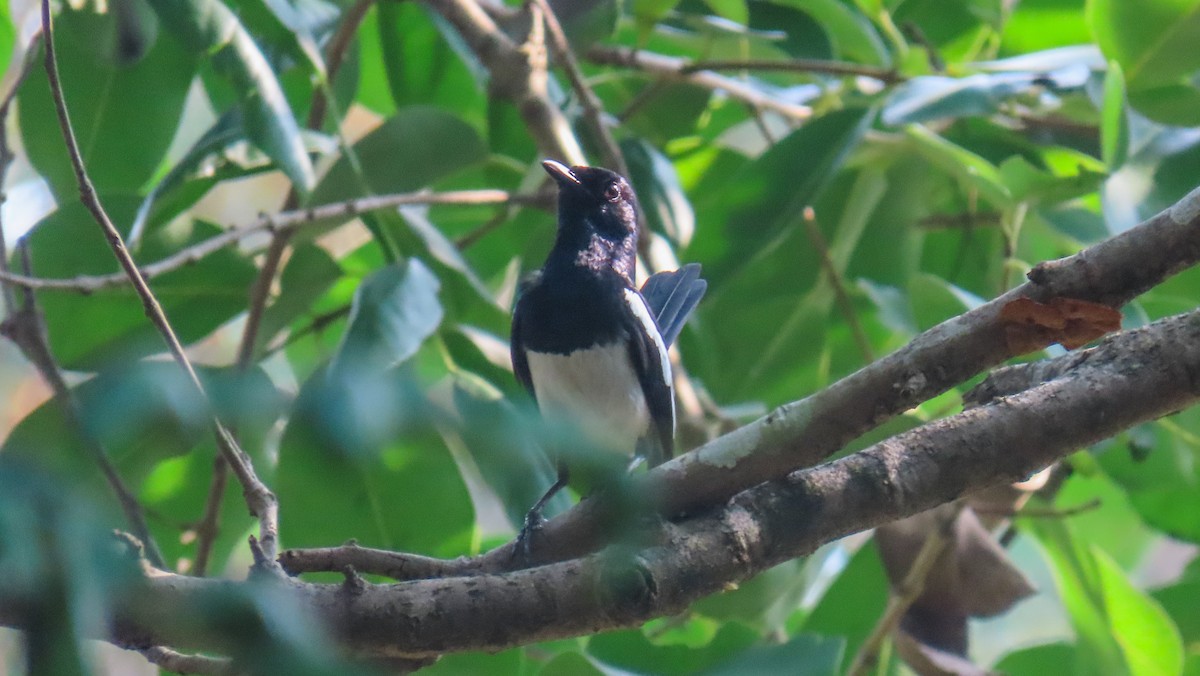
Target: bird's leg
column 534, row 519
column 635, row 463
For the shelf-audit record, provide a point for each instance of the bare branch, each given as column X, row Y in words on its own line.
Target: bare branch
column 885, row 75
column 259, row 498
column 284, row 221
column 593, row 110
column 210, row 521
column 396, row 565
column 1129, row 378
column 802, row 433
column 676, row 68
column 181, row 663
column 840, row 296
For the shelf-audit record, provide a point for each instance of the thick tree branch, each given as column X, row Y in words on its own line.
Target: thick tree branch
column 1130, row 378
column 802, row 433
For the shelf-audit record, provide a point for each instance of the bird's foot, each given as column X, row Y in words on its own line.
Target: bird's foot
column 524, row 545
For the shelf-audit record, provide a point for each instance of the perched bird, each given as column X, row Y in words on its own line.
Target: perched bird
column 589, row 347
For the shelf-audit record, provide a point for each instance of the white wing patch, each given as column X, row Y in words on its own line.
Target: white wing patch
column 643, row 315
column 638, row 305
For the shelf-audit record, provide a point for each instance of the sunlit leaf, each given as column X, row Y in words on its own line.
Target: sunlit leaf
column 209, row 28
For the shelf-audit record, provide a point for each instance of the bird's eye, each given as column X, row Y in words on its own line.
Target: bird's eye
column 613, row 192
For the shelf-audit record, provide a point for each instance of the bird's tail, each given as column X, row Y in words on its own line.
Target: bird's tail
column 672, row 296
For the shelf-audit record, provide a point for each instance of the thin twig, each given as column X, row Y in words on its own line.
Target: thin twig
column 761, row 123
column 335, row 53
column 26, row 328
column 593, row 109
column 1041, row 512
column 676, row 68
column 885, row 75
column 260, row 291
column 913, row 32
column 287, row 220
column 182, row 663
column 25, row 325
column 593, row 112
column 839, row 286
column 903, row 596
column 518, row 75
column 317, row 325
column 965, row 219
column 259, row 498
column 210, row 521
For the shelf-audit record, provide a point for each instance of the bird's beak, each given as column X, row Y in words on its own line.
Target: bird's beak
column 561, row 173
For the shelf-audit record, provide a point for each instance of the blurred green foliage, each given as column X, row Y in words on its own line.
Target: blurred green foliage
column 380, row 406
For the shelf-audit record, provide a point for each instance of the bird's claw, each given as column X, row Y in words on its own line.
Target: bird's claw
column 524, row 545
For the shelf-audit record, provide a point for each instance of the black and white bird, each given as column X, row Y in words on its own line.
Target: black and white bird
column 589, row 347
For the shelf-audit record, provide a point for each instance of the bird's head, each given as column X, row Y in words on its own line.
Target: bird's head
column 597, row 199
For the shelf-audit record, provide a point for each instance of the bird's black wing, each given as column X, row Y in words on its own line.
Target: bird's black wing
column 516, row 345
column 648, row 353
column 672, row 296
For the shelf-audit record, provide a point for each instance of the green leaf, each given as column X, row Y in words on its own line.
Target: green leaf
column 196, row 298
column 1027, row 183
column 934, row 300
column 419, row 64
column 209, row 28
column 764, row 199
column 415, row 148
column 1157, row 467
column 1037, row 660
column 632, row 651
column 220, row 154
column 310, row 272
column 1153, row 42
column 1145, row 632
column 393, row 312
column 973, row 171
column 148, row 416
column 1114, row 121
column 666, row 205
column 502, row 440
column 570, row 663
column 853, row 602
column 734, row 10
column 1119, row 628
column 1042, row 24
column 649, row 12
column 124, row 114
column 804, row 655
column 933, row 97
column 850, row 32
column 753, row 225
column 361, row 459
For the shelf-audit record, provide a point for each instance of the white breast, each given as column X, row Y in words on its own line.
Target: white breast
column 596, row 389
